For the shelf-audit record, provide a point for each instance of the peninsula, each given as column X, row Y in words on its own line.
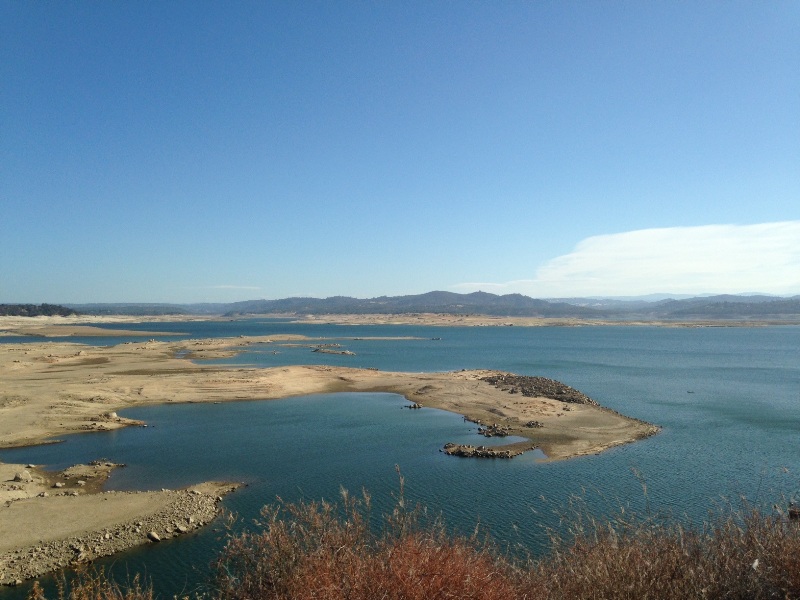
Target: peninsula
column 54, row 388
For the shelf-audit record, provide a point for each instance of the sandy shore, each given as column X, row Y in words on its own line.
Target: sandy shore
column 54, row 519
column 58, row 529
column 454, row 320
column 84, row 325
column 47, row 389
column 447, row 320
column 53, row 388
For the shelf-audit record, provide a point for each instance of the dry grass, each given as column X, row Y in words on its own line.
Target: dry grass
column 95, row 585
column 312, row 554
column 739, row 555
column 324, row 551
column 328, row 552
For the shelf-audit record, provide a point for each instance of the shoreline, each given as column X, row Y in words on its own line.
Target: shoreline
column 51, row 532
column 459, row 320
column 53, row 388
column 85, row 325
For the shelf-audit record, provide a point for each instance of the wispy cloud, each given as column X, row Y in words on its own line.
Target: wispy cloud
column 705, row 259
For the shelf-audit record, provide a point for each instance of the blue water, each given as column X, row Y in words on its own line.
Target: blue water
column 728, row 400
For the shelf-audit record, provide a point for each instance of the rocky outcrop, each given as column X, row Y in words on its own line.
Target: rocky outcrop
column 494, row 430
column 469, row 451
column 186, row 511
column 537, row 387
column 23, row 476
column 332, row 349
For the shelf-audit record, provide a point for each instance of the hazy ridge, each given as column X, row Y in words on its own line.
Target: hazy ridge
column 739, row 307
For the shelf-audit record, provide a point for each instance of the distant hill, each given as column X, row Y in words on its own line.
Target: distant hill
column 432, row 302
column 516, row 305
column 35, row 310
column 150, row 309
column 731, row 307
column 135, row 309
column 720, row 307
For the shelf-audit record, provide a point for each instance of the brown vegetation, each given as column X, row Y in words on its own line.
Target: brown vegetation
column 329, row 551
column 744, row 554
column 94, row 585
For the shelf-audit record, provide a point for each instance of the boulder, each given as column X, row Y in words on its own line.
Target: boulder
column 23, row 476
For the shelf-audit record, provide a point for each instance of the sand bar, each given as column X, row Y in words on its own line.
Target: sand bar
column 86, row 325
column 48, row 331
column 82, row 325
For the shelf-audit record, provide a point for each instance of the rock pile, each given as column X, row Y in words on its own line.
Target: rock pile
column 187, row 510
column 494, row 430
column 332, row 349
column 537, row 387
column 469, row 451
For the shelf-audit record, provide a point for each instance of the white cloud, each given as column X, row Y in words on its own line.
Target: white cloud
column 680, row 260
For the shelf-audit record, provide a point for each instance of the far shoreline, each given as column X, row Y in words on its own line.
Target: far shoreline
column 86, row 325
column 459, row 320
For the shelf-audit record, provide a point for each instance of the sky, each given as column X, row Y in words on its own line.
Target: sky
column 201, row 151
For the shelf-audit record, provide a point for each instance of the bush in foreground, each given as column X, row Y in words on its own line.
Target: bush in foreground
column 328, row 551
column 95, row 585
column 739, row 555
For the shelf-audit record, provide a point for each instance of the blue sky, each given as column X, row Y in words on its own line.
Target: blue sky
column 219, row 151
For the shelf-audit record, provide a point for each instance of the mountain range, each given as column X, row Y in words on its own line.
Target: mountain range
column 720, row 307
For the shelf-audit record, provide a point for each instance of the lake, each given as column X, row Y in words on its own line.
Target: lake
column 728, row 400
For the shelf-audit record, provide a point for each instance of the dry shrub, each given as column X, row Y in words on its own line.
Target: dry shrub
column 753, row 556
column 322, row 551
column 740, row 555
column 89, row 584
column 418, row 567
column 313, row 550
column 294, row 542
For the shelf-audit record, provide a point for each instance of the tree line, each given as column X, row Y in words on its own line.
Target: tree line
column 35, row 310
